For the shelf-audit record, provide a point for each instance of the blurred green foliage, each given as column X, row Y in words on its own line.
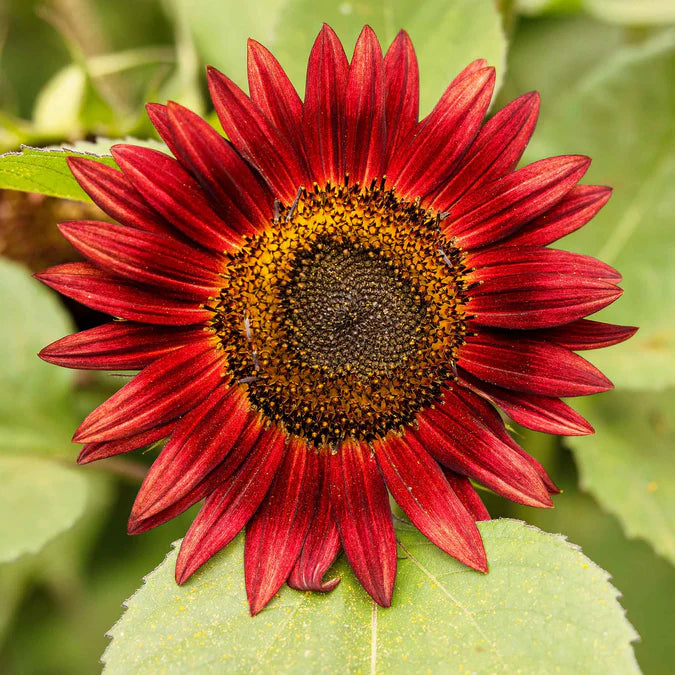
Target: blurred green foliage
column 72, row 70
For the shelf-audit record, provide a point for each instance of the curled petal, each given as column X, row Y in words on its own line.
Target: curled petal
column 92, row 452
column 361, row 506
column 587, row 334
column 275, row 535
column 322, row 543
column 464, row 434
column 541, row 413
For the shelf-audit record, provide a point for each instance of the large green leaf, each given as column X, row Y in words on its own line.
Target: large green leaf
column 623, row 115
column 447, row 34
column 39, row 499
column 627, row 464
column 45, row 171
column 543, row 602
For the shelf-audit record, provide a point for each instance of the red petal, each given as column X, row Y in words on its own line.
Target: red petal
column 94, row 451
column 462, row 487
column 111, row 191
column 401, row 77
column 228, row 508
column 586, row 334
column 275, row 534
column 146, row 257
column 463, row 434
column 159, row 116
column 322, row 543
column 539, row 300
column 118, row 346
column 172, row 191
column 502, row 261
column 239, row 195
column 323, row 114
column 361, row 506
column 532, row 366
column 541, row 413
column 578, row 206
column 437, row 143
column 256, row 138
column 365, row 124
column 493, row 211
column 179, row 501
column 419, row 487
column 495, row 152
column 116, row 296
column 200, row 442
column 275, row 95
column 166, row 389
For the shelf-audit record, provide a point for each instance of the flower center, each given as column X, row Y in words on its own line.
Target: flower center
column 349, row 310
column 343, row 318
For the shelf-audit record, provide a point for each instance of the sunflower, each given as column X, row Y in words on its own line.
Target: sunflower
column 328, row 306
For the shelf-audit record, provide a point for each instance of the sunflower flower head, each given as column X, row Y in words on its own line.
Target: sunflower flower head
column 329, row 307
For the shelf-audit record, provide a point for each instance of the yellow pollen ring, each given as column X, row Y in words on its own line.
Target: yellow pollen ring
column 344, row 316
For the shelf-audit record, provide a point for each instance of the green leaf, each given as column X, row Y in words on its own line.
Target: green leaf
column 627, row 464
column 39, row 500
column 35, row 397
column 447, row 34
column 44, row 170
column 543, row 602
column 622, row 114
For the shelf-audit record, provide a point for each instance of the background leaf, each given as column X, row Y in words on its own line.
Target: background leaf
column 622, row 114
column 627, row 464
column 35, row 398
column 542, row 602
column 447, row 34
column 39, row 500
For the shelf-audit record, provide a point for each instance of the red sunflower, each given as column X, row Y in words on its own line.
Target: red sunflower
column 327, row 306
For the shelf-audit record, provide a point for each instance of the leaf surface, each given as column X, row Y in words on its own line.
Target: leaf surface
column 542, row 602
column 39, row 500
column 627, row 464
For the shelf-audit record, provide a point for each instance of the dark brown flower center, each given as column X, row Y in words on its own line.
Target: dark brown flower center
column 350, row 310
column 344, row 317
